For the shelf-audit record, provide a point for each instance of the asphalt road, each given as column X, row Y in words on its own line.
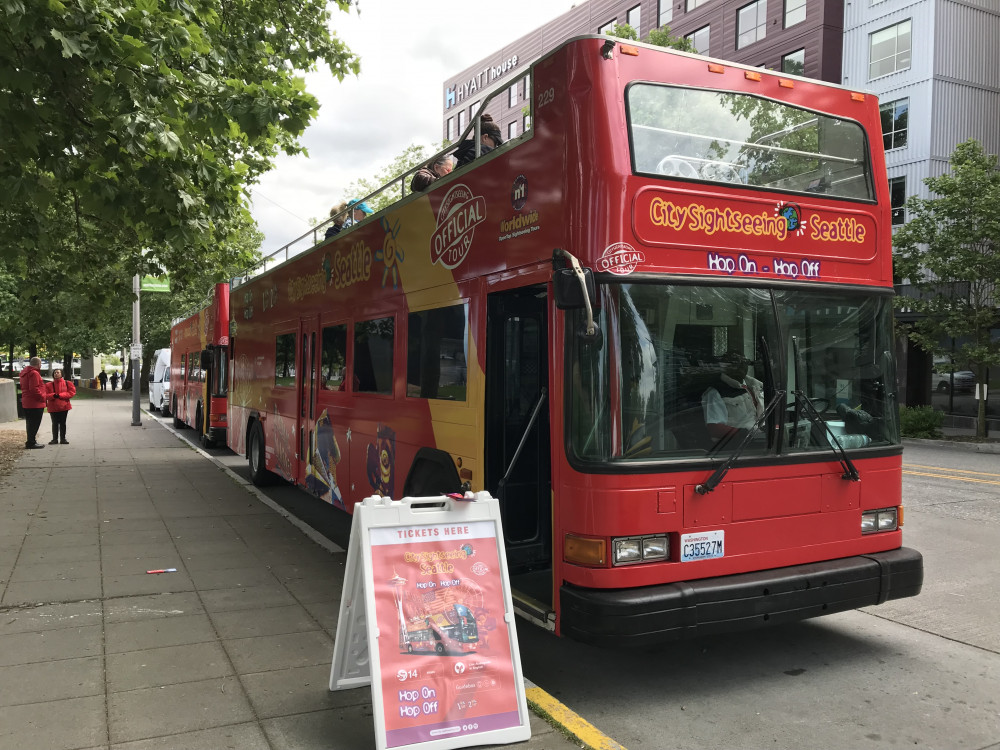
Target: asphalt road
column 921, row 672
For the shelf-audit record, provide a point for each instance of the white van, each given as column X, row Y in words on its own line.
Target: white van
column 159, row 382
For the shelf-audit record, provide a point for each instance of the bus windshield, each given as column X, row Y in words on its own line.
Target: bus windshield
column 718, row 136
column 676, row 363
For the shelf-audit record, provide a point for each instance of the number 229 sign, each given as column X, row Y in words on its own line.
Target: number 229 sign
column 426, row 618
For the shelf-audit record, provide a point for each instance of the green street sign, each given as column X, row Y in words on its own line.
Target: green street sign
column 155, row 284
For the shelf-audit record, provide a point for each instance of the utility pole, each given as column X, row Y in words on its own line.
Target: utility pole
column 136, row 353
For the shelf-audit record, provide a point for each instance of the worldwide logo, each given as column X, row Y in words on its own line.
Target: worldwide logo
column 460, row 213
column 620, row 259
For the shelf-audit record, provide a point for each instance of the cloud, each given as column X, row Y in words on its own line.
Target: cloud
column 407, row 48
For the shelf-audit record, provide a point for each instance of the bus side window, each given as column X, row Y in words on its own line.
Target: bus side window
column 374, row 342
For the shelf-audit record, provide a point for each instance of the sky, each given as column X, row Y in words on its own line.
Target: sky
column 408, row 48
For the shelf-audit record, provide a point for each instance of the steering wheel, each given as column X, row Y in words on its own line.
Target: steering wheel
column 673, row 166
column 719, row 171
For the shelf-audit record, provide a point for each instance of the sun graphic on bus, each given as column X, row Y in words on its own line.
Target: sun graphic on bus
column 391, row 253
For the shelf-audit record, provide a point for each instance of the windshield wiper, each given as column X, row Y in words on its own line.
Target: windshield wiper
column 713, row 481
column 850, row 470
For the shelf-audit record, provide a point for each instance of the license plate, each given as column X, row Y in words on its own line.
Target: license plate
column 704, row 545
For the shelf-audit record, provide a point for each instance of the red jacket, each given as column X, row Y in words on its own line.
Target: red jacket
column 59, row 393
column 32, row 388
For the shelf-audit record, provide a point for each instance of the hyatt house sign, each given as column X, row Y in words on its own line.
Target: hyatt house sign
column 488, row 75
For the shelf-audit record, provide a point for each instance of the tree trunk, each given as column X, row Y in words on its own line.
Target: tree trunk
column 981, row 393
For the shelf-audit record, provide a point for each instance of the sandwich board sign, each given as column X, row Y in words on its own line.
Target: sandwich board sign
column 426, row 619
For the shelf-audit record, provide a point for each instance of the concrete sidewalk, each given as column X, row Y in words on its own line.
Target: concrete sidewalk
column 231, row 651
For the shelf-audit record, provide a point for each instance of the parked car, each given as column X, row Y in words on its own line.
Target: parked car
column 964, row 380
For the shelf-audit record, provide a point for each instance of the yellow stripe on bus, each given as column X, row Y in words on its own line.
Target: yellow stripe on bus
column 568, row 721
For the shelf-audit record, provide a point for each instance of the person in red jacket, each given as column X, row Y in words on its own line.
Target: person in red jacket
column 33, row 400
column 58, row 393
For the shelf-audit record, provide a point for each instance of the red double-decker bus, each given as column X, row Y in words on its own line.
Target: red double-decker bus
column 199, row 371
column 657, row 326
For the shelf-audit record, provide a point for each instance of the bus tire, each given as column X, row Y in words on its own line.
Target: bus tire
column 178, row 423
column 203, row 436
column 432, row 472
column 439, row 648
column 259, row 474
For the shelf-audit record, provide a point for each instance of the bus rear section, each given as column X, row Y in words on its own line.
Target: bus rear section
column 199, row 369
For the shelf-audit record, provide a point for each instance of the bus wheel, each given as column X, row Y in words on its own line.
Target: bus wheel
column 203, row 437
column 439, row 648
column 259, row 475
column 177, row 422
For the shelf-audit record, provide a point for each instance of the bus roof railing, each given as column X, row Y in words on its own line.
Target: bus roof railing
column 400, row 182
column 205, row 302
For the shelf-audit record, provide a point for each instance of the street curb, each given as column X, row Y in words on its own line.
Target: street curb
column 568, row 721
column 957, row 444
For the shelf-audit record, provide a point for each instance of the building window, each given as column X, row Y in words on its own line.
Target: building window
column 373, row 344
column 699, row 40
column 795, row 12
column 334, row 357
column 512, row 130
column 461, row 122
column 889, row 50
column 527, row 122
column 606, row 28
column 284, row 360
column 895, row 118
column 692, row 4
column 512, row 96
column 436, row 353
column 527, row 88
column 751, row 23
column 666, row 12
column 473, row 109
column 450, row 133
column 897, row 199
column 632, row 19
column 794, row 62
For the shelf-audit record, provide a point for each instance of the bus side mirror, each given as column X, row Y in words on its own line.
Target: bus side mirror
column 569, row 291
column 206, row 359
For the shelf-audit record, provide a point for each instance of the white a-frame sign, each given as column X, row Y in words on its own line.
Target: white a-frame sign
column 426, row 618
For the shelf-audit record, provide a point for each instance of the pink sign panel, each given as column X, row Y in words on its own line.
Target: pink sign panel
column 445, row 654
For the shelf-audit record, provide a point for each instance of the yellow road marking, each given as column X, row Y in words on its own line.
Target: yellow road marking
column 952, row 477
column 572, row 723
column 957, row 471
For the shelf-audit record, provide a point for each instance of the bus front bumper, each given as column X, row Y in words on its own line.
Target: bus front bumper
column 688, row 609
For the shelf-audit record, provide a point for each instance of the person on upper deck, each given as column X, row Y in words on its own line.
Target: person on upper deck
column 489, row 136
column 427, row 174
column 359, row 210
column 339, row 215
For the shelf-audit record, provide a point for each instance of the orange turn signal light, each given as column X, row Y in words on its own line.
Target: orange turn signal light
column 584, row 550
column 628, row 49
column 855, row 97
column 786, row 84
column 751, row 75
column 716, row 68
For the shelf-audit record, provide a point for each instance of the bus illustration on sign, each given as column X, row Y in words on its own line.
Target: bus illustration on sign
column 657, row 325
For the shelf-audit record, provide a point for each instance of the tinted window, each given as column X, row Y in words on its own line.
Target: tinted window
column 334, row 357
column 373, row 346
column 436, row 353
column 284, row 360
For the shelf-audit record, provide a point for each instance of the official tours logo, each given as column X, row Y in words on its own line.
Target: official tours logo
column 460, row 213
column 620, row 258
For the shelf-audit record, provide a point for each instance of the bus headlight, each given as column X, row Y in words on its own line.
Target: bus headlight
column 884, row 519
column 636, row 549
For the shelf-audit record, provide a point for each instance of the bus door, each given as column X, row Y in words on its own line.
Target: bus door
column 518, row 469
column 305, row 395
